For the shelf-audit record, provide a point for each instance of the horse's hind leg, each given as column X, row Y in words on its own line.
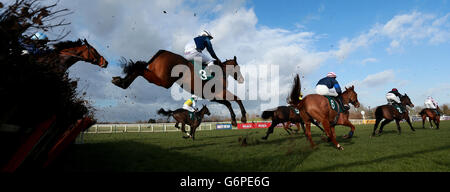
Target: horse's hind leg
column 431, row 124
column 385, row 122
column 287, row 128
column 308, row 134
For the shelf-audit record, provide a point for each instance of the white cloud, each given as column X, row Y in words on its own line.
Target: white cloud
column 403, row 29
column 369, row 60
column 138, row 30
column 375, row 80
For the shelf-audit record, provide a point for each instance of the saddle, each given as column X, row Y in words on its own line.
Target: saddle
column 435, row 110
column 192, row 116
column 398, row 107
column 296, row 111
column 336, row 106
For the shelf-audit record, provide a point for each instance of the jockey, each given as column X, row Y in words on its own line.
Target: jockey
column 393, row 96
column 37, row 45
column 189, row 105
column 194, row 49
column 430, row 103
column 328, row 86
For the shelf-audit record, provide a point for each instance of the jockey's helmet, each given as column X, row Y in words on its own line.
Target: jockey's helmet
column 331, row 74
column 39, row 36
column 206, row 33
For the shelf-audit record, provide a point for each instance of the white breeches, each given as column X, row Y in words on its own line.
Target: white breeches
column 190, row 52
column 391, row 97
column 429, row 104
column 189, row 108
column 325, row 91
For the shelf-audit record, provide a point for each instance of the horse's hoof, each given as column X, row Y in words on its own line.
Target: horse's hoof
column 234, row 123
column 347, row 137
column 264, row 138
column 244, row 119
column 186, row 137
column 340, row 148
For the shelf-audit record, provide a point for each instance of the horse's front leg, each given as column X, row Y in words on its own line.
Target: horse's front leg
column 398, row 126
column 228, row 105
column 183, row 129
column 409, row 123
column 243, row 112
column 344, row 121
column 227, row 95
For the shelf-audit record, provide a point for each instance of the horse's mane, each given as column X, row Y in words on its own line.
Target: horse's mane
column 67, row 44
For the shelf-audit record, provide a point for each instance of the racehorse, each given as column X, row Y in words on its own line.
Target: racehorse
column 67, row 53
column 182, row 116
column 284, row 114
column 390, row 113
column 159, row 71
column 432, row 116
column 317, row 107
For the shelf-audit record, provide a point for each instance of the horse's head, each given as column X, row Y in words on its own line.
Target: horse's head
column 406, row 101
column 83, row 51
column 205, row 110
column 90, row 54
column 232, row 68
column 352, row 96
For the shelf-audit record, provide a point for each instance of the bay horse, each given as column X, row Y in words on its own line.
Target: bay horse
column 390, row 113
column 432, row 116
column 285, row 115
column 67, row 53
column 159, row 72
column 182, row 116
column 317, row 107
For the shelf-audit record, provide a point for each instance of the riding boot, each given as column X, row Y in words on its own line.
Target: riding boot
column 344, row 107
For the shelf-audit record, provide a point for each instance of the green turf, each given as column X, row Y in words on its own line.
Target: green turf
column 219, row 150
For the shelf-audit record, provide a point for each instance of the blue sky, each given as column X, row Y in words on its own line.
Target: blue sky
column 420, row 66
column 373, row 44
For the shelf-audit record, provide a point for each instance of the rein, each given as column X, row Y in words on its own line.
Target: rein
column 72, row 54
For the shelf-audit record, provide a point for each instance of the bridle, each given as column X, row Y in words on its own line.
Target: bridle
column 72, row 54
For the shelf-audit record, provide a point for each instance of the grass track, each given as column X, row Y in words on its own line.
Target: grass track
column 219, row 150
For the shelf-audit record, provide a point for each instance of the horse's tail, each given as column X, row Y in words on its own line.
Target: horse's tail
column 294, row 97
column 129, row 66
column 379, row 113
column 267, row 114
column 165, row 113
column 422, row 112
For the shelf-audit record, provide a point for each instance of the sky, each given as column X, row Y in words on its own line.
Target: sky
column 375, row 45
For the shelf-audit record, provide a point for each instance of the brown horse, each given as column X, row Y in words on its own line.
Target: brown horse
column 285, row 115
column 317, row 107
column 68, row 53
column 182, row 116
column 159, row 71
column 390, row 113
column 432, row 116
